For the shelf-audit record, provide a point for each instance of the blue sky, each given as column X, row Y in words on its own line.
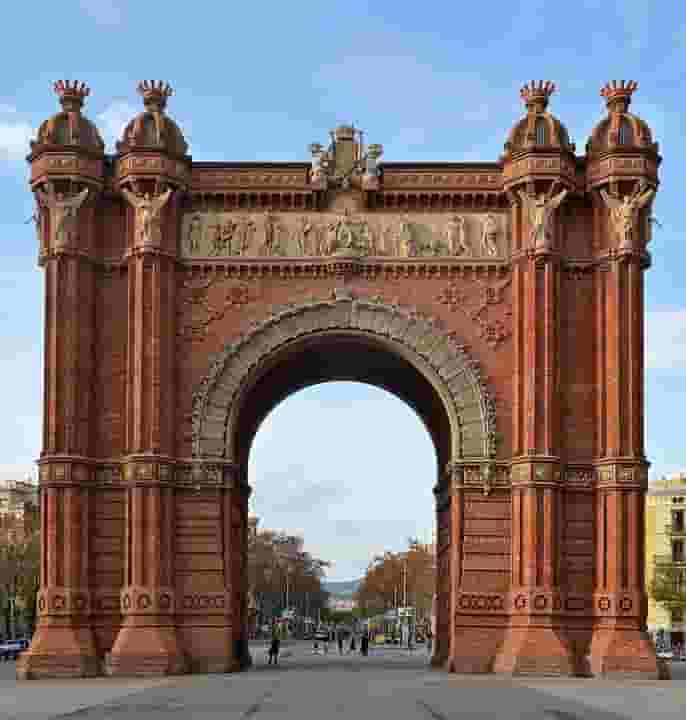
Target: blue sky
column 259, row 81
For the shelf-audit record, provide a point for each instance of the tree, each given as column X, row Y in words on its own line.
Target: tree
column 19, row 570
column 668, row 586
column 279, row 570
column 390, row 574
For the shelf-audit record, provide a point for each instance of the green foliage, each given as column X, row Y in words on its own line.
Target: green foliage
column 669, row 585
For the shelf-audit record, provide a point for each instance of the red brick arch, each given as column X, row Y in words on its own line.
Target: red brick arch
column 443, row 364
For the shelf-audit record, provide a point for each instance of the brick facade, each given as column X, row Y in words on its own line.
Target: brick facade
column 502, row 300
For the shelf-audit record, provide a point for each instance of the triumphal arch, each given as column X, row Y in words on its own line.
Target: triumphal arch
column 502, row 300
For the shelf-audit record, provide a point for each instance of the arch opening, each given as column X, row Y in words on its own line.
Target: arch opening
column 346, row 339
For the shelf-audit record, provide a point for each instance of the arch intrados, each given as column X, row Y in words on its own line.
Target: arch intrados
column 284, row 373
column 404, row 334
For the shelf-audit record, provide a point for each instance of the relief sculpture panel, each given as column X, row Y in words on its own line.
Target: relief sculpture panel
column 468, row 236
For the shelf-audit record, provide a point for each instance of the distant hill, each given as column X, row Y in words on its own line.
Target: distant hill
column 342, row 588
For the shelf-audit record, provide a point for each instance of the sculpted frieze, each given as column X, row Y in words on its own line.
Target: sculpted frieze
column 468, row 236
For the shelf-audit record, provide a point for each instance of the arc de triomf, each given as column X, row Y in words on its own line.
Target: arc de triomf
column 503, row 301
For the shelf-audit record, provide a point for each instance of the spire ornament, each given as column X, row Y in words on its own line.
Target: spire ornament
column 537, row 94
column 71, row 94
column 618, row 94
column 155, row 94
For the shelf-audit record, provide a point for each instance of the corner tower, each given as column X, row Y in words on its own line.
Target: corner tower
column 67, row 175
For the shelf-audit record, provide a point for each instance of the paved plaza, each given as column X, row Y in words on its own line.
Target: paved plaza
column 390, row 683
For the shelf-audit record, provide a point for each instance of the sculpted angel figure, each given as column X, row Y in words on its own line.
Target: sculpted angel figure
column 489, row 233
column 624, row 214
column 456, row 237
column 148, row 209
column 64, row 213
column 541, row 209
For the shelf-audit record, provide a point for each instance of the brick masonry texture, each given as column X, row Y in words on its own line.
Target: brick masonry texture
column 526, row 367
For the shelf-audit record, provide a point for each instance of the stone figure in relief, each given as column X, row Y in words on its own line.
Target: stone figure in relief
column 489, row 235
column 624, row 214
column 246, row 230
column 64, row 214
column 228, row 232
column 214, row 234
column 331, row 238
column 456, row 236
column 367, row 239
column 195, row 233
column 148, row 209
column 301, row 234
column 541, row 209
column 272, row 229
column 407, row 247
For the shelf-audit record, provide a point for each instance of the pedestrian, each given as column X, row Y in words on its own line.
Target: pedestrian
column 429, row 640
column 352, row 642
column 326, row 641
column 364, row 644
column 274, row 645
column 339, row 635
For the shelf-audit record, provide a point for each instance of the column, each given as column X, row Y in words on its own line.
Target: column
column 620, row 644
column 64, row 644
column 535, row 640
column 147, row 642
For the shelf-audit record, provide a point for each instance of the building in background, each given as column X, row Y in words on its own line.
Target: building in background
column 19, row 509
column 666, row 545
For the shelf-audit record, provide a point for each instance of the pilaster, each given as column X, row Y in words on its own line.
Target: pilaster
column 147, row 642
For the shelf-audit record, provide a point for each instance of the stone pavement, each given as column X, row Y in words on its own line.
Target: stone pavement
column 389, row 684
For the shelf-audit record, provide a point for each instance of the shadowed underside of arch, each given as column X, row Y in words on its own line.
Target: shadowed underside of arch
column 344, row 339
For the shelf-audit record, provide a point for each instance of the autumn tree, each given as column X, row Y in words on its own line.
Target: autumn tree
column 19, row 570
column 279, row 567
column 390, row 574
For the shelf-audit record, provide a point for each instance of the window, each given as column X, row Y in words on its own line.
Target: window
column 678, row 520
column 678, row 551
column 625, row 133
column 677, row 616
column 541, row 132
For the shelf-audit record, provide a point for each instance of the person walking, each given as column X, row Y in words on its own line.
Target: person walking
column 352, row 642
column 429, row 640
column 326, row 641
column 364, row 644
column 339, row 637
column 274, row 645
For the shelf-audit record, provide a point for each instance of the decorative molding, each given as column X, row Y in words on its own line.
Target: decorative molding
column 420, row 334
column 197, row 314
column 491, row 313
column 468, row 236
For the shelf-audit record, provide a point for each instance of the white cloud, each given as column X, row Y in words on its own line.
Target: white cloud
column 103, row 12
column 113, row 119
column 666, row 340
column 15, row 135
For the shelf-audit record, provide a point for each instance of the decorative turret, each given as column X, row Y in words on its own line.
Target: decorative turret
column 70, row 127
column 68, row 145
column 622, row 166
column 620, row 128
column 152, row 146
column 153, row 128
column 538, row 129
column 539, row 162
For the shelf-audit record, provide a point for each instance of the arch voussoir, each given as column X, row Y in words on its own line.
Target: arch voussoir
column 457, row 378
